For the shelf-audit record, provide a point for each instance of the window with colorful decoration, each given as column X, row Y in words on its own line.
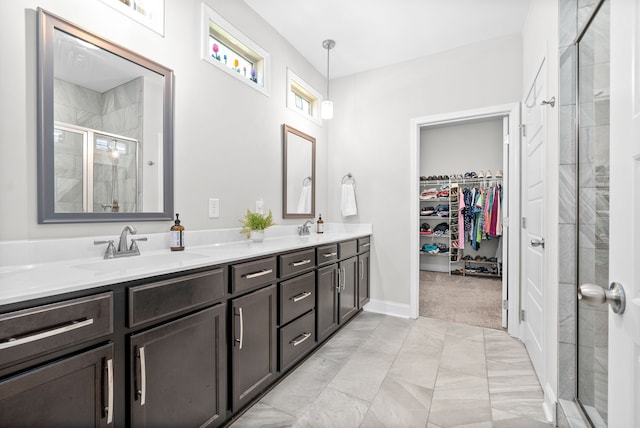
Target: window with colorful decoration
column 231, row 51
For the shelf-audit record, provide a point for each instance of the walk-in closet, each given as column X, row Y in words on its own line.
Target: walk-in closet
column 462, row 202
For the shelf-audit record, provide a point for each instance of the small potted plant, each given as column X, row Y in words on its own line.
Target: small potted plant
column 254, row 225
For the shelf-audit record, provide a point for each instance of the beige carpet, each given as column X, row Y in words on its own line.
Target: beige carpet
column 468, row 300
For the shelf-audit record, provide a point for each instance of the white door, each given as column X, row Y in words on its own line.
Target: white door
column 532, row 250
column 624, row 254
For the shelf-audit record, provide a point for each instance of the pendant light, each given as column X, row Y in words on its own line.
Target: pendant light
column 326, row 112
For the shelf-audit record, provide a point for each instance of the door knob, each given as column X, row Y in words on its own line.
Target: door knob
column 537, row 242
column 594, row 295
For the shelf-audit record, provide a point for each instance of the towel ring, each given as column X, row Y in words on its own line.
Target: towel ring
column 348, row 178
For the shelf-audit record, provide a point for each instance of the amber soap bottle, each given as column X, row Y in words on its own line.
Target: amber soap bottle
column 320, row 224
column 177, row 236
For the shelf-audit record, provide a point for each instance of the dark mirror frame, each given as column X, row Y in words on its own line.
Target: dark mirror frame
column 47, row 24
column 286, row 130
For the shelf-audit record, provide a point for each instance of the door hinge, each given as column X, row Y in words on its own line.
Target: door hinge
column 505, row 304
column 523, row 127
column 524, row 222
column 522, row 315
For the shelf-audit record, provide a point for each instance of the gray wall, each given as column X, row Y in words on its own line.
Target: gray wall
column 228, row 142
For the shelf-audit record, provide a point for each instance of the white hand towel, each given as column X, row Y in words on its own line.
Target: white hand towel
column 304, row 203
column 348, row 205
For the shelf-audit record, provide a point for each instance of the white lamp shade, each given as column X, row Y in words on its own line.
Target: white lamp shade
column 326, row 111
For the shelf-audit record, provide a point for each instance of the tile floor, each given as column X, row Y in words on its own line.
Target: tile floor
column 382, row 371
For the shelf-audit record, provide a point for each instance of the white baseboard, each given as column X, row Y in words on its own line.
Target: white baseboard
column 388, row 308
column 549, row 404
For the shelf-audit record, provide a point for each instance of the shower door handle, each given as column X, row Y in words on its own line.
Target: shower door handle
column 594, row 295
column 537, row 242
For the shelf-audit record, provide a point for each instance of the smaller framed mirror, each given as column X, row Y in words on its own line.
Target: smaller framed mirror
column 299, row 174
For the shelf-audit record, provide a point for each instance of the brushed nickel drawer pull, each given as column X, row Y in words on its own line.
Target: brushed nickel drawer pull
column 143, row 377
column 110, row 391
column 301, row 296
column 258, row 274
column 327, row 255
column 73, row 325
column 298, row 340
column 241, row 329
column 361, row 269
column 366, row 244
column 301, row 262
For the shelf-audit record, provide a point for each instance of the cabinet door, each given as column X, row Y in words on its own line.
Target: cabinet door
column 178, row 372
column 349, row 288
column 254, row 344
column 327, row 301
column 72, row 392
column 363, row 278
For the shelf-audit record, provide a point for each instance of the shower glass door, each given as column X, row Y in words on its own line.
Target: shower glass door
column 593, row 213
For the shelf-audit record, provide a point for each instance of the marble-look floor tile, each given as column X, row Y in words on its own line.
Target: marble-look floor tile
column 415, row 367
column 465, row 331
column 399, row 404
column 452, row 384
column 464, row 355
column 389, row 336
column 264, row 416
column 334, row 409
column 298, row 391
column 363, row 374
column 503, row 419
column 458, row 412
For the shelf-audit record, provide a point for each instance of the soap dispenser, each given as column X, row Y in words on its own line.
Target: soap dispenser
column 177, row 236
column 320, row 224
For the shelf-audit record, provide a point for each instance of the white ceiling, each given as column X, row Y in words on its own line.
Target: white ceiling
column 374, row 33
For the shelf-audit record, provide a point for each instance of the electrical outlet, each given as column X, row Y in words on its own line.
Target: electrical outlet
column 260, row 206
column 214, row 208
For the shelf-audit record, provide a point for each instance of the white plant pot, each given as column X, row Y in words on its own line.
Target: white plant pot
column 257, row 235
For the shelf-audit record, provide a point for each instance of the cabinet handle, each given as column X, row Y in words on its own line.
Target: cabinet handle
column 361, row 269
column 73, row 325
column 366, row 244
column 338, row 283
column 344, row 278
column 298, row 340
column 241, row 329
column 257, row 274
column 301, row 296
column 301, row 262
column 327, row 255
column 109, row 391
column 143, row 377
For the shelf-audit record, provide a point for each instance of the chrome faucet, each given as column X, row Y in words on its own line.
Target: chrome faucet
column 123, row 250
column 304, row 229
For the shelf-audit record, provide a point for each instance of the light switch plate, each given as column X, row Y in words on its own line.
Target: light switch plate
column 214, row 208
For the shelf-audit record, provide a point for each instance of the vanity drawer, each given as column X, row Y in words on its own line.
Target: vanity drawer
column 157, row 300
column 251, row 275
column 36, row 331
column 347, row 249
column 297, row 339
column 327, row 254
column 297, row 296
column 364, row 244
column 300, row 261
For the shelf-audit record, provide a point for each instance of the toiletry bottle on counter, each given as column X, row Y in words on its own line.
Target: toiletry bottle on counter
column 177, row 236
column 320, row 224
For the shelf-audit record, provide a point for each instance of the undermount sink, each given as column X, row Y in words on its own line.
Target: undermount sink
column 139, row 262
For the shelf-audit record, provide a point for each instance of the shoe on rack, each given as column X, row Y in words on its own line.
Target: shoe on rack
column 499, row 173
column 481, row 174
column 488, row 174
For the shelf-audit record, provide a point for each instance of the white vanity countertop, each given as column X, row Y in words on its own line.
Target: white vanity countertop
column 49, row 278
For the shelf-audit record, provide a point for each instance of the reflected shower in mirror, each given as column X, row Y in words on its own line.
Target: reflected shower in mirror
column 299, row 165
column 105, row 129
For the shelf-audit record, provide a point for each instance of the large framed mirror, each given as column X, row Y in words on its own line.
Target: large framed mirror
column 299, row 174
column 105, row 129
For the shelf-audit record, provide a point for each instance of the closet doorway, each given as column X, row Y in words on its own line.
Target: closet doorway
column 466, row 171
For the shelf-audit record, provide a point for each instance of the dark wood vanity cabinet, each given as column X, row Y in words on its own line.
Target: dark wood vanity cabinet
column 179, row 371
column 254, row 345
column 364, row 269
column 348, row 295
column 76, row 391
column 326, row 301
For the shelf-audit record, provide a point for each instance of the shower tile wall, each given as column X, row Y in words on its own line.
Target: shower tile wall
column 117, row 111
